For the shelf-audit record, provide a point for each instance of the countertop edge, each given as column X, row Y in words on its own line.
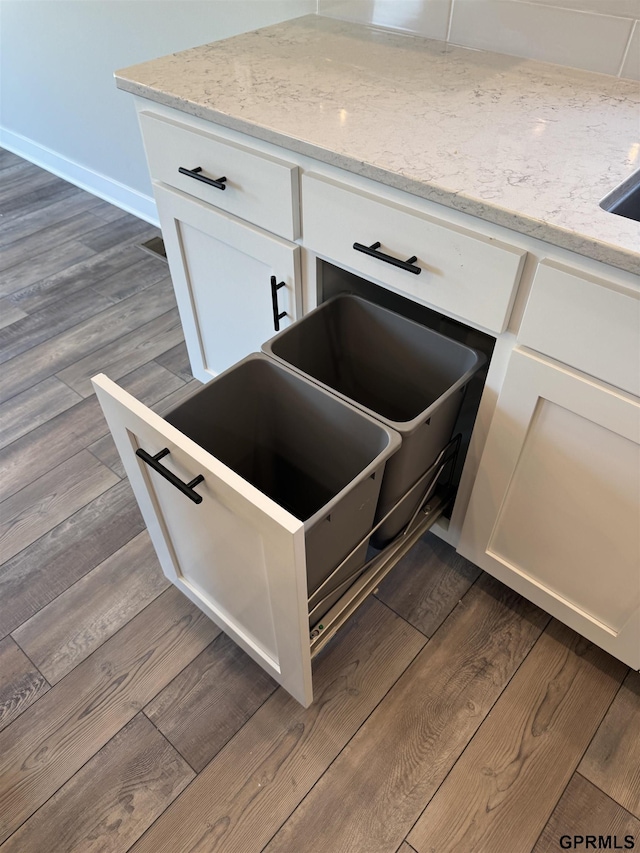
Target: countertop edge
column 601, row 251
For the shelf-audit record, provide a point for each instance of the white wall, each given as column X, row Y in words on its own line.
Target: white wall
column 598, row 35
column 59, row 105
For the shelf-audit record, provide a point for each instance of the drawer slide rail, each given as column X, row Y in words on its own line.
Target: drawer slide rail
column 368, row 576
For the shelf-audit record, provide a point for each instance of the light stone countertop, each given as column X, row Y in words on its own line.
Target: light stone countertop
column 527, row 145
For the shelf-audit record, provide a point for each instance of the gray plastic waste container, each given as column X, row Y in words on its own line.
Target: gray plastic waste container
column 318, row 457
column 408, row 376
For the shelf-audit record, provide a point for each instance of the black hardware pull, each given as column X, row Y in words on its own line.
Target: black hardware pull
column 274, row 302
column 185, row 488
column 372, row 250
column 220, row 183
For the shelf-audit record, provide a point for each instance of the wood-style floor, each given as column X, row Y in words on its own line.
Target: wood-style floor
column 450, row 714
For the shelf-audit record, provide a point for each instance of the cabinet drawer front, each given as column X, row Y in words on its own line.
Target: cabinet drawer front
column 463, row 274
column 259, row 188
column 237, row 555
column 586, row 323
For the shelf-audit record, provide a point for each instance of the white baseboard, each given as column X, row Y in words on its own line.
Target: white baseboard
column 122, row 196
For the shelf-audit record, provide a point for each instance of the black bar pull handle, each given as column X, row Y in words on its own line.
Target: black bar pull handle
column 219, row 183
column 185, row 488
column 274, row 302
column 372, row 250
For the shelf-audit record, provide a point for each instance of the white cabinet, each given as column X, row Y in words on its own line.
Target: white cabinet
column 223, row 272
column 554, row 511
column 228, row 216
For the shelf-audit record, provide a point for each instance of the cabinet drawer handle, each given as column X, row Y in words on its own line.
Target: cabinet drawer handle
column 185, row 488
column 195, row 173
column 373, row 251
column 274, row 302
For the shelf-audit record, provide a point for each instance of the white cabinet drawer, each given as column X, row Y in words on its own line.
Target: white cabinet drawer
column 468, row 276
column 585, row 322
column 259, row 188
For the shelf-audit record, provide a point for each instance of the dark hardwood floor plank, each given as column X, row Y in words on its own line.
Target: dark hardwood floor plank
column 36, row 220
column 20, row 682
column 75, row 278
column 210, row 701
column 177, row 361
column 47, row 239
column 381, row 781
column 52, row 356
column 612, row 761
column 44, row 503
column 34, row 329
column 427, row 584
column 32, row 269
column 78, row 427
column 65, row 632
column 44, row 570
column 9, row 312
column 140, row 275
column 51, row 740
column 107, row 805
column 585, row 811
column 128, row 352
column 501, row 793
column 33, row 407
column 243, row 795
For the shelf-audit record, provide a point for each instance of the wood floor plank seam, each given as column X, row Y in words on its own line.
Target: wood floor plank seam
column 93, row 347
column 604, row 793
column 490, row 709
column 43, row 804
column 37, row 668
column 362, row 723
column 424, row 634
column 222, row 746
column 551, row 816
column 97, row 649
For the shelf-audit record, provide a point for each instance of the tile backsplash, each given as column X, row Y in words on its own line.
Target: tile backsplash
column 599, row 35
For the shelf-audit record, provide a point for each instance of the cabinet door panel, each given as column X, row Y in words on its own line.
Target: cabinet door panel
column 237, row 555
column 221, row 270
column 555, row 510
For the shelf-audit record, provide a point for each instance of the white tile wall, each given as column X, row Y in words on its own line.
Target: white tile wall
column 591, row 34
column 429, row 18
column 631, row 64
column 540, row 31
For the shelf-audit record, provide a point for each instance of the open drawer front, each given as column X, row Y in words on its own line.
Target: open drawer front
column 237, row 555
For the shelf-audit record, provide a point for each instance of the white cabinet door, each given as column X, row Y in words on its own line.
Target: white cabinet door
column 237, row 555
column 555, row 508
column 221, row 269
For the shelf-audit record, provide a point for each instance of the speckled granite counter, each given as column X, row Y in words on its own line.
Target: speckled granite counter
column 527, row 145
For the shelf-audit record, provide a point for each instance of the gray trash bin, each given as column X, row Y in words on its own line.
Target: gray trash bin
column 408, row 376
column 318, row 457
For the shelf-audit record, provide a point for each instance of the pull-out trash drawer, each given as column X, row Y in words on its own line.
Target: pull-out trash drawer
column 254, row 490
